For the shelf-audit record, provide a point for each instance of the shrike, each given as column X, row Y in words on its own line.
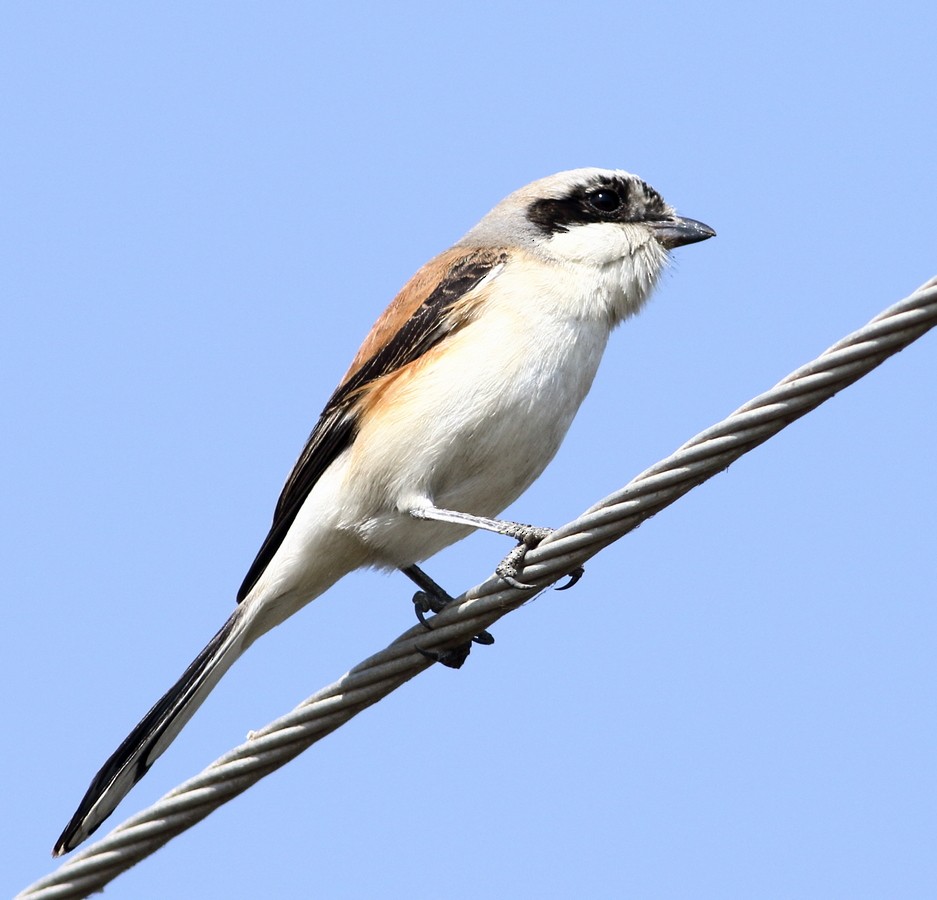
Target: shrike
column 455, row 403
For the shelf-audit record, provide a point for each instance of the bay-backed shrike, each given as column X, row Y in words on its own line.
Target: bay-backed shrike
column 456, row 401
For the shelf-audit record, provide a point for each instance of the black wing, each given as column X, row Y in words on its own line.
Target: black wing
column 337, row 425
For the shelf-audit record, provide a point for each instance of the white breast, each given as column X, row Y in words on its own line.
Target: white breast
column 473, row 428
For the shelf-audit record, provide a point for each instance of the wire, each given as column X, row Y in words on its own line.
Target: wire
column 699, row 459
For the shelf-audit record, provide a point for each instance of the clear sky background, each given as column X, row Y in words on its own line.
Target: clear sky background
column 204, row 207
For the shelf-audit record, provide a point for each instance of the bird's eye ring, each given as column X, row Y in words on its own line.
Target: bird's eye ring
column 604, row 200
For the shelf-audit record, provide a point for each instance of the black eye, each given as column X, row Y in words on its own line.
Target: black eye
column 604, row 199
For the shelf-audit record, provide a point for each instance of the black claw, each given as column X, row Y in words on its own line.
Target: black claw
column 421, row 606
column 431, row 598
column 574, row 577
column 434, row 599
column 452, row 658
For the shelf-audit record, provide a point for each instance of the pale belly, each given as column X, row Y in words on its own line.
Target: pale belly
column 483, row 423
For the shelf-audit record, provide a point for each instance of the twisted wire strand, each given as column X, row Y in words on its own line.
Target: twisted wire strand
column 699, row 459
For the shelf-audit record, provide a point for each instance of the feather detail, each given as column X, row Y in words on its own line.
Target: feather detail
column 435, row 303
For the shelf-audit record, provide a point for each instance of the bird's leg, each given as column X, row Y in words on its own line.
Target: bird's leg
column 432, row 598
column 527, row 536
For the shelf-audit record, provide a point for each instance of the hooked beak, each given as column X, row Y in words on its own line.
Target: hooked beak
column 678, row 231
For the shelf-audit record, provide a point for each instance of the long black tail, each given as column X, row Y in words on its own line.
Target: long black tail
column 155, row 732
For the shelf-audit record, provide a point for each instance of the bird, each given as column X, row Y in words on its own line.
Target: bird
column 456, row 401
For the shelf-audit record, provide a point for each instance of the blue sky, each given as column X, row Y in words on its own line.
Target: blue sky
column 205, row 207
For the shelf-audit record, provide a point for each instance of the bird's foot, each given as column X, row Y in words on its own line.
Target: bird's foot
column 432, row 598
column 528, row 537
